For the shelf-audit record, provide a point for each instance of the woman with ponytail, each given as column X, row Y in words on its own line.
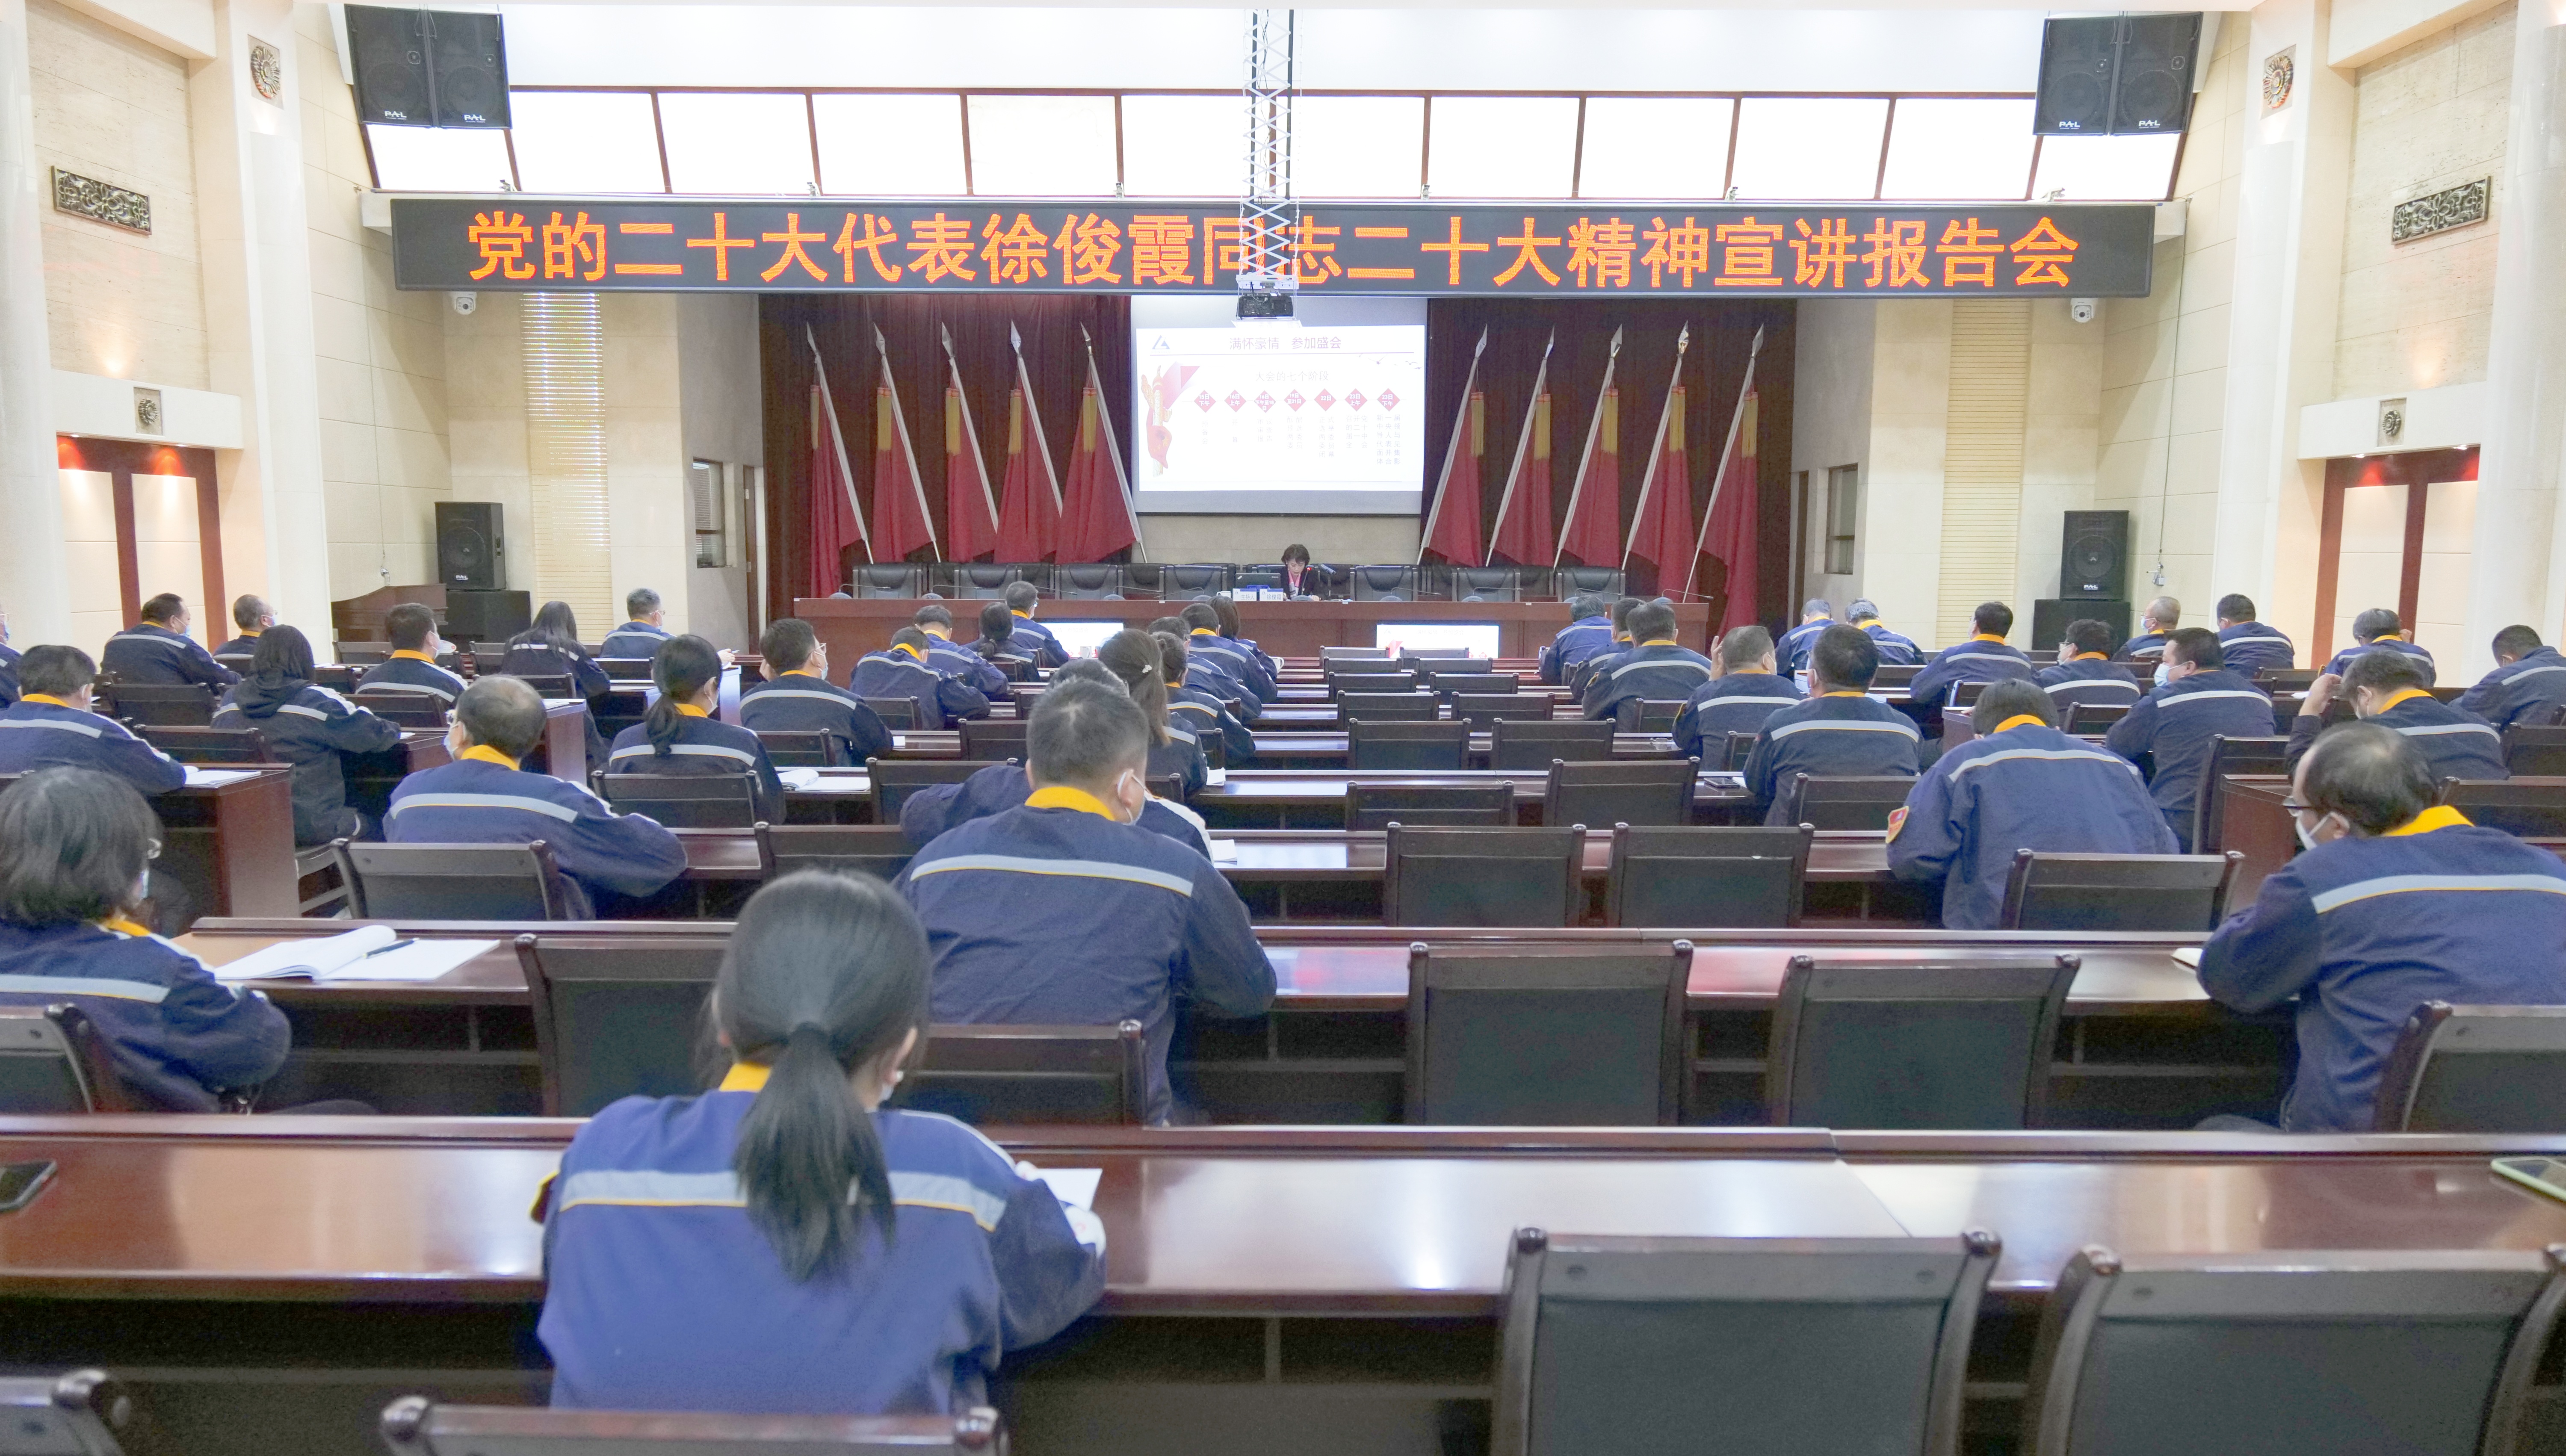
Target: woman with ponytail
column 1134, row 658
column 783, row 1243
column 680, row 735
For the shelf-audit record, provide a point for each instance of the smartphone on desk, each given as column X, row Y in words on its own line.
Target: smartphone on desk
column 21, row 1182
column 2538, row 1174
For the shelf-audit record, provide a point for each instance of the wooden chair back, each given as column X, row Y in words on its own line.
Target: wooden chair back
column 208, row 745
column 361, row 655
column 894, row 780
column 1408, row 745
column 1373, row 806
column 899, row 715
column 1506, row 1038
column 2475, row 1069
column 451, row 881
column 2534, row 809
column 686, row 801
column 1647, row 715
column 1004, row 1076
column 1537, row 743
column 1484, row 710
column 1450, row 684
column 1735, row 753
column 2231, row 756
column 1654, row 791
column 1959, row 1044
column 990, row 739
column 1847, row 802
column 619, row 1016
column 52, row 1059
column 415, row 1426
column 789, row 749
column 1390, row 707
column 1708, row 877
column 159, row 705
column 1346, row 677
column 410, row 707
column 2094, row 717
column 2535, row 750
column 2053, row 891
column 877, row 850
column 1484, row 876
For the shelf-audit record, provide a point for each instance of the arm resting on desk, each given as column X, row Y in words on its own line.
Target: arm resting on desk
column 2267, row 952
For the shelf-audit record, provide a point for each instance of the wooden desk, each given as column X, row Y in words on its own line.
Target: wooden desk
column 1267, row 1289
column 1296, row 629
column 563, row 751
column 1291, row 799
column 232, row 846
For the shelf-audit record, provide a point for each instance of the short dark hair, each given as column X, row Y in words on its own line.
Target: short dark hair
column 1169, row 624
column 787, row 642
column 246, row 610
column 2197, row 645
column 54, row 670
column 1020, row 596
column 2013, row 697
column 2383, row 669
column 1085, row 735
column 164, row 606
column 1224, row 608
column 1084, row 669
column 640, row 602
column 2235, row 607
column 930, row 613
column 1844, row 658
column 2086, row 634
column 505, row 713
column 1296, row 552
column 909, row 637
column 283, row 653
column 1816, row 607
column 1863, row 610
column 2376, row 622
column 1173, row 653
column 1621, row 615
column 74, row 843
column 1744, row 647
column 1651, row 620
column 2516, row 640
column 409, row 625
column 1994, row 618
column 2375, row 776
column 1588, row 604
column 1199, row 617
column 997, row 624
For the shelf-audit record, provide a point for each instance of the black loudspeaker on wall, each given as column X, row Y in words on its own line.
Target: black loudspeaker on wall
column 2116, row 74
column 428, row 68
column 471, row 554
column 2094, row 556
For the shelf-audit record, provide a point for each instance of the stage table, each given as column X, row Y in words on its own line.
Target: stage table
column 1295, row 629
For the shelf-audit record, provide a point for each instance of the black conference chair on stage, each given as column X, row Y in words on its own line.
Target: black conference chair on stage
column 2289, row 1352
column 1611, row 1344
column 1499, row 1038
column 1484, row 876
column 1374, row 807
column 889, row 579
column 1848, row 802
column 1634, row 791
column 451, row 881
column 1537, row 743
column 1385, row 583
column 1567, row 581
column 415, row 1425
column 1706, row 878
column 1486, row 584
column 1186, row 582
column 2475, row 1069
column 1101, row 583
column 895, row 779
column 1961, row 1045
column 2053, row 891
column 1405, row 745
column 877, row 850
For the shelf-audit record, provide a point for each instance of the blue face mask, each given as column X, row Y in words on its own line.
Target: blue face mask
column 2162, row 671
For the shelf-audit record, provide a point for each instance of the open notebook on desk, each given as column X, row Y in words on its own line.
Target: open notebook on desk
column 201, row 778
column 372, row 953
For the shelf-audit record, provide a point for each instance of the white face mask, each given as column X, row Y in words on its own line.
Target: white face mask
column 2307, row 838
column 2162, row 671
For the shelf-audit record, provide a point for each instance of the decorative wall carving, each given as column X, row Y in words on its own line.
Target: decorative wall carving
column 101, row 202
column 2438, row 212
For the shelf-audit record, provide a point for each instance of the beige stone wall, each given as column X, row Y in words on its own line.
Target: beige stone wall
column 114, row 108
column 380, row 352
column 2061, row 443
column 2165, row 356
column 2414, row 315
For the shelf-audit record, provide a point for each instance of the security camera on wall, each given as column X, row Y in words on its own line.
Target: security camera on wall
column 2080, row 309
column 465, row 303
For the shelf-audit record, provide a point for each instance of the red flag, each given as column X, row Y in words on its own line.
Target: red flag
column 1729, row 532
column 1523, row 534
column 1456, row 528
column 970, row 507
column 1029, row 521
column 900, row 520
column 1095, row 512
column 1663, row 531
column 835, row 523
column 1594, row 499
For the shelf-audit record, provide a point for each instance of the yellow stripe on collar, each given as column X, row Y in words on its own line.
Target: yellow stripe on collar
column 414, row 655
column 2411, row 692
column 916, row 652
column 123, row 926
column 2090, row 657
column 1984, row 638
column 692, row 711
column 799, row 672
column 2438, row 817
column 482, row 753
column 746, row 1076
column 1202, row 631
column 2018, row 719
column 1020, row 616
column 1661, row 642
column 48, row 699
column 1061, row 796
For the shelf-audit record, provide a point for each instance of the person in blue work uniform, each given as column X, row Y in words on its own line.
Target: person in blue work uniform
column 2085, row 672
column 1212, row 674
column 1895, row 648
column 1033, row 640
column 1792, row 652
column 1841, row 731
column 1656, row 670
column 1611, row 651
column 1224, row 605
column 2527, row 687
column 2377, row 628
column 798, row 698
column 997, row 644
column 75, row 845
column 1197, row 711
column 1064, row 912
column 1589, row 632
column 901, row 671
column 2387, row 688
column 2251, row 648
column 8, row 665
column 250, row 617
column 550, row 647
column 934, row 810
column 2196, row 699
column 411, row 629
column 157, row 652
column 1984, row 657
column 1136, row 663
column 641, row 633
column 2020, row 784
column 483, row 798
column 2157, row 623
column 1238, row 663
column 1747, row 691
column 310, row 727
column 2394, row 902
column 784, row 1242
column 51, row 726
column 935, row 620
column 679, row 736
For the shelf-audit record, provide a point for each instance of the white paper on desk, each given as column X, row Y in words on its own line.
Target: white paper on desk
column 420, row 960
column 2188, row 955
column 838, row 784
column 798, row 780
column 1075, row 1187
column 215, row 778
column 899, row 740
column 316, row 957
column 1225, row 851
column 1216, row 778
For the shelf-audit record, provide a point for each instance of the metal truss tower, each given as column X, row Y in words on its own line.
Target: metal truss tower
column 1269, row 219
